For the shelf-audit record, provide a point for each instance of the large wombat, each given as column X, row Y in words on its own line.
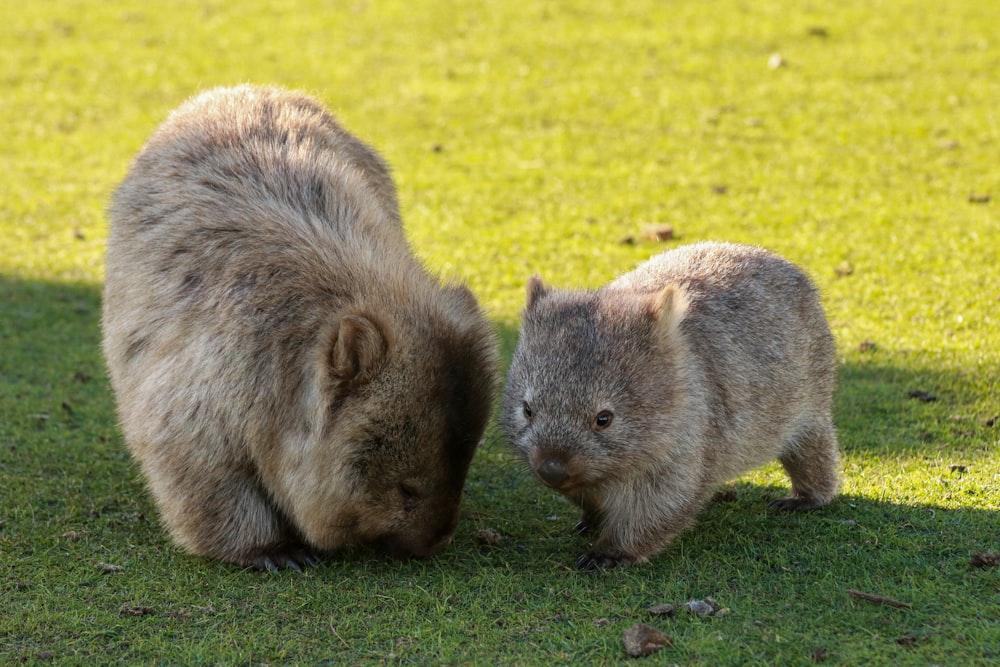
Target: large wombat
column 635, row 400
column 288, row 376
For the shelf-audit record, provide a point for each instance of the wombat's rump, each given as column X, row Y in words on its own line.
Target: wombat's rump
column 635, row 400
column 288, row 376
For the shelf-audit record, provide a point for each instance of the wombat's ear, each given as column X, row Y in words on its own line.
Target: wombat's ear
column 358, row 348
column 464, row 297
column 536, row 290
column 668, row 307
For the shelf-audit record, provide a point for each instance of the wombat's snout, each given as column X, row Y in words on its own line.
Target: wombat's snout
column 402, row 547
column 552, row 471
column 420, row 543
column 555, row 469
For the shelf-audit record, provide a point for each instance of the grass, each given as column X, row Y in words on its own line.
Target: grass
column 534, row 137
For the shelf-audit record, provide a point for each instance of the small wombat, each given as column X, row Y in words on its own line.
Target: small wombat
column 635, row 400
column 289, row 377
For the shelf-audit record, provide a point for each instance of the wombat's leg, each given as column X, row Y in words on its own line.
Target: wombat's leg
column 811, row 461
column 638, row 531
column 591, row 519
column 285, row 550
column 226, row 515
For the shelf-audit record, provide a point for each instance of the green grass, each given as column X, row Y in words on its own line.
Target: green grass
column 534, row 137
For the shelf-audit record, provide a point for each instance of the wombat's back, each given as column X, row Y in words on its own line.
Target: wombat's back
column 250, row 145
column 757, row 332
column 247, row 218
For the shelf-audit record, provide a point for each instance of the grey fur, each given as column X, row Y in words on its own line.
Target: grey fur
column 712, row 359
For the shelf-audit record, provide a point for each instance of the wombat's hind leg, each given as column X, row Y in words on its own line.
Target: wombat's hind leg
column 811, row 461
column 225, row 514
column 272, row 543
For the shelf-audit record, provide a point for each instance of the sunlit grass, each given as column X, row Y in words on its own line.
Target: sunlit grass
column 538, row 137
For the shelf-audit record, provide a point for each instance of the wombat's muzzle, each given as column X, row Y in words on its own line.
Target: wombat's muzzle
column 552, row 471
column 417, row 543
column 400, row 547
column 556, row 469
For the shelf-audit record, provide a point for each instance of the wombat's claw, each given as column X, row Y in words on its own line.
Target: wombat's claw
column 792, row 504
column 592, row 562
column 294, row 558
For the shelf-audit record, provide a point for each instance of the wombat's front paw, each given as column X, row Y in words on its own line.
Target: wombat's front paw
column 596, row 561
column 794, row 504
column 291, row 556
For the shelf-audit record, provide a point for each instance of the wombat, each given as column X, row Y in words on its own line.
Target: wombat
column 289, row 378
column 636, row 399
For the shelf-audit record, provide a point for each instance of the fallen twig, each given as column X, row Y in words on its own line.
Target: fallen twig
column 878, row 599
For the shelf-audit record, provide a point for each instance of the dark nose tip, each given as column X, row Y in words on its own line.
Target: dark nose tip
column 552, row 471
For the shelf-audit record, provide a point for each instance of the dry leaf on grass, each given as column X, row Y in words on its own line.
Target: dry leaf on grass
column 704, row 607
column 658, row 233
column 662, row 609
column 641, row 640
column 135, row 610
column 489, row 537
column 984, row 560
column 844, row 269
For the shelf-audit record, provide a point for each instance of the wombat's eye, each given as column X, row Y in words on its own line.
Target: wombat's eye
column 527, row 410
column 409, row 495
column 603, row 420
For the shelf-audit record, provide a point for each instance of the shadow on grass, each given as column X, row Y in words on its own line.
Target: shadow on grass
column 58, row 419
column 73, row 501
column 52, row 374
column 55, row 399
column 885, row 405
column 47, row 329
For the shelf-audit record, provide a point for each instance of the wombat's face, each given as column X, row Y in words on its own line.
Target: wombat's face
column 402, row 440
column 587, row 385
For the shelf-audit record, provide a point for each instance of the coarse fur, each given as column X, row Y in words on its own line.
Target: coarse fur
column 637, row 399
column 288, row 376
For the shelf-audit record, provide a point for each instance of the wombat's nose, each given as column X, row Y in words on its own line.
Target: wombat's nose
column 403, row 546
column 552, row 471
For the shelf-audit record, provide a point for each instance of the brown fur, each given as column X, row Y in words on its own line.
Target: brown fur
column 637, row 399
column 288, row 376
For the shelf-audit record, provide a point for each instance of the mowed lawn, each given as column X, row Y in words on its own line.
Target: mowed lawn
column 859, row 139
